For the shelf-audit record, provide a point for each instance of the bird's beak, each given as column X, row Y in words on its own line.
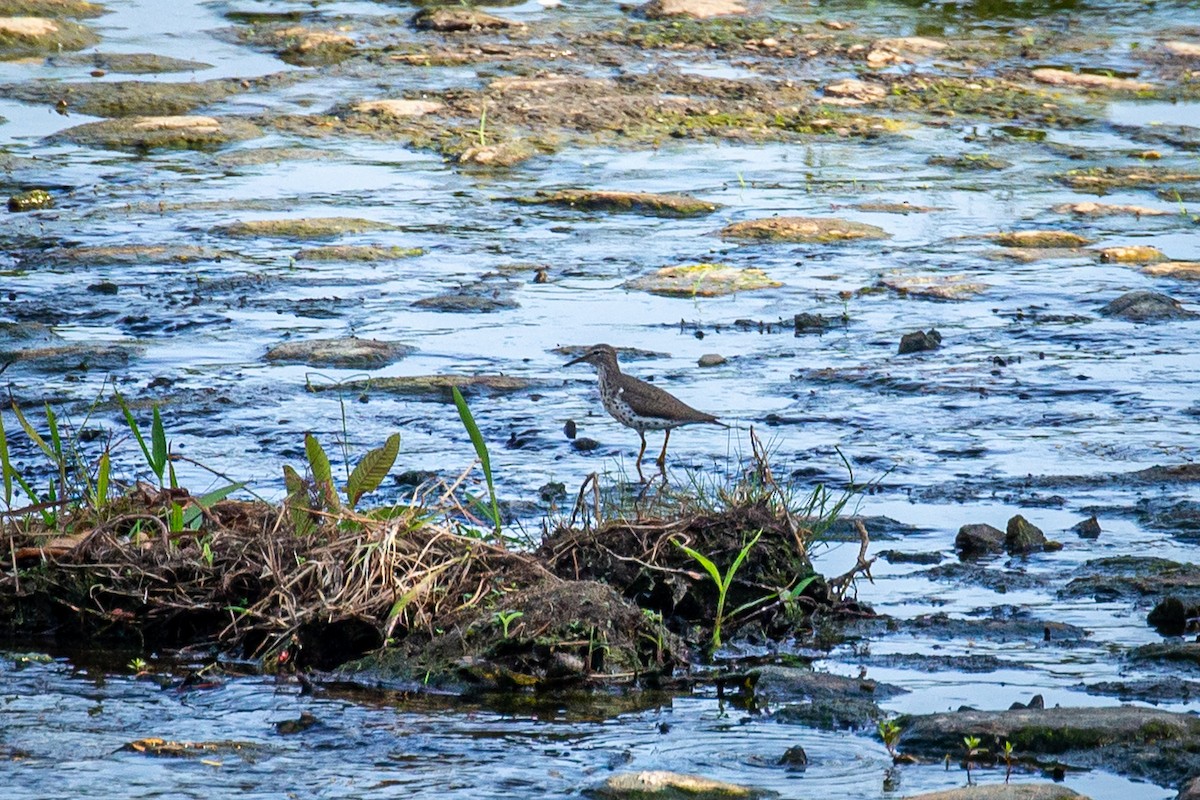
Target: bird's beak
column 579, row 360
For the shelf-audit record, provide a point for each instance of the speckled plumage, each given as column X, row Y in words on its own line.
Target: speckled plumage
column 637, row 404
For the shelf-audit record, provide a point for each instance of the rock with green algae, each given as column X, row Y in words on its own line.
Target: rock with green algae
column 445, row 19
column 357, row 252
column 703, row 280
column 693, row 9
column 802, row 229
column 154, row 133
column 1048, row 239
column 658, row 205
column 348, row 352
column 935, row 287
column 32, row 200
column 302, row 227
column 130, row 254
column 1108, row 179
column 663, row 785
column 302, row 46
column 970, row 162
column 75, row 9
column 35, row 36
column 1088, row 208
column 128, row 63
column 1132, row 254
column 1180, row 270
column 1022, row 536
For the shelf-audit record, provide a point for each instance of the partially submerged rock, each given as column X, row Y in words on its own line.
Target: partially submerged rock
column 398, row 107
column 356, row 252
column 129, row 63
column 1183, row 270
column 970, row 162
column 935, row 287
column 1182, row 49
column 1145, row 306
column 302, row 45
column 1088, row 80
column 1022, row 537
column 32, row 200
column 695, row 9
column 1088, row 208
column 302, row 228
column 432, row 385
column 853, row 92
column 802, row 229
column 1107, row 179
column 30, row 36
column 658, row 205
column 1004, row 791
column 138, row 98
column 131, row 254
column 150, row 133
column 703, row 280
column 979, row 539
column 445, row 19
column 1132, row 254
column 1041, row 239
column 76, row 9
column 661, row 785
column 818, row 699
column 919, row 341
column 348, row 352
column 1144, row 742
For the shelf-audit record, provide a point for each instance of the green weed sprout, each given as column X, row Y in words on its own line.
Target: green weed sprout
column 889, row 732
column 506, row 618
column 481, row 452
column 971, row 743
column 722, row 582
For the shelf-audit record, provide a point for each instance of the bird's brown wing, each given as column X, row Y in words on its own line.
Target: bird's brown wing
column 650, row 401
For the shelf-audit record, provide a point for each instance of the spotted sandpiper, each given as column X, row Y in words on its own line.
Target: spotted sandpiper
column 637, row 404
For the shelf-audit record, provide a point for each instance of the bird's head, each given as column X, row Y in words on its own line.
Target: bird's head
column 601, row 356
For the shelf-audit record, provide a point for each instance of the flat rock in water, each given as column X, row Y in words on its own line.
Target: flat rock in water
column 131, row 254
column 970, row 162
column 75, row 9
column 1004, row 791
column 30, row 36
column 1041, row 239
column 658, row 205
column 696, row 9
column 936, row 287
column 659, row 784
column 1144, row 306
column 1183, row 270
column 1087, row 80
column 1134, row 254
column 1183, row 49
column 853, row 92
column 434, row 385
column 349, row 352
column 129, row 63
column 803, row 229
column 1108, row 179
column 459, row 18
column 399, row 107
column 150, row 133
column 302, row 227
column 1090, row 209
column 356, row 252
column 703, row 280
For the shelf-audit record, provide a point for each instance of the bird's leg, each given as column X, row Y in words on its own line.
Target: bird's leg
column 641, row 453
column 662, row 457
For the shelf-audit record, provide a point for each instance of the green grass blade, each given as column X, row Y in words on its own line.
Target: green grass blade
column 191, row 517
column 372, row 469
column 468, row 421
column 55, row 436
column 102, row 476
column 134, row 428
column 322, row 470
column 737, row 562
column 158, row 445
column 6, row 467
column 32, row 433
column 705, row 562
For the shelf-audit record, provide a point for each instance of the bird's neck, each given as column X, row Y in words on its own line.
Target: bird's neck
column 607, row 372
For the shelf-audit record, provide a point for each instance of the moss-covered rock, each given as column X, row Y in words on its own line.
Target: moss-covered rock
column 75, row 9
column 1108, row 179
column 658, row 205
column 1132, row 254
column 357, row 252
column 32, row 200
column 137, row 98
column 128, row 254
column 1049, row 239
column 980, row 162
column 934, row 287
column 301, row 45
column 302, row 227
column 1144, row 306
column 447, row 19
column 694, row 9
column 434, row 385
column 153, row 133
column 803, row 229
column 1088, row 80
column 129, row 63
column 1089, row 208
column 703, row 280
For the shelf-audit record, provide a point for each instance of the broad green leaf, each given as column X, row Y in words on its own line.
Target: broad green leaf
column 134, row 429
column 705, row 562
column 372, row 469
column 799, row 588
column 191, row 519
column 737, row 562
column 322, row 471
column 158, row 444
column 468, row 421
column 102, row 475
column 292, row 480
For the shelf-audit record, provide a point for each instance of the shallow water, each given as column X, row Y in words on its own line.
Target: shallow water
column 948, row 435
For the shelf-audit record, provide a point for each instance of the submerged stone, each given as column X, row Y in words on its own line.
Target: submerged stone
column 503, row 154
column 1107, row 179
column 76, row 9
column 803, row 229
column 853, row 92
column 1087, row 80
column 398, row 107
column 302, row 228
column 31, row 36
column 150, row 133
column 703, row 280
column 662, row 785
column 132, row 254
column 1145, row 306
column 969, row 162
column 1182, row 49
column 659, row 205
column 1134, row 254
column 303, row 46
column 133, row 98
column 475, row 298
column 695, row 9
column 1004, row 791
column 348, row 352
